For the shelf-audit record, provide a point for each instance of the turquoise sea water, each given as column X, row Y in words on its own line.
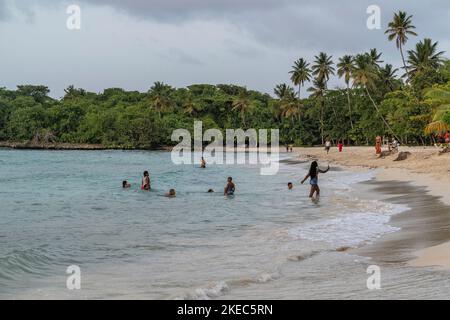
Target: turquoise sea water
column 62, row 208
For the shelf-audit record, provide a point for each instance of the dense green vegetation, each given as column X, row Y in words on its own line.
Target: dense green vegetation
column 375, row 99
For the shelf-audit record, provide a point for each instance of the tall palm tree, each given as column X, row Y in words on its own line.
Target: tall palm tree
column 345, row 68
column 425, row 56
column 399, row 29
column 300, row 73
column 364, row 75
column 242, row 105
column 323, row 68
column 318, row 93
column 290, row 108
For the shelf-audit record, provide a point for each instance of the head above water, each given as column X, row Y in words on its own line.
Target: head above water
column 290, row 185
column 146, row 174
column 124, row 183
column 172, row 192
column 230, row 179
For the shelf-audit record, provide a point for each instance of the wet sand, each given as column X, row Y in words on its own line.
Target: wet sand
column 426, row 224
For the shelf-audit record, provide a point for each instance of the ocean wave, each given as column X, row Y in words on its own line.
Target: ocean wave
column 30, row 261
column 210, row 292
column 221, row 288
column 351, row 229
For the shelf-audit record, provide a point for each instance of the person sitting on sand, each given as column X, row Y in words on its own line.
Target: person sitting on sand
column 146, row 181
column 171, row 194
column 125, row 184
column 202, row 163
column 313, row 174
column 290, row 185
column 230, row 187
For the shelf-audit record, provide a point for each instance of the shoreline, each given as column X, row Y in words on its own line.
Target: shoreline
column 71, row 146
column 425, row 170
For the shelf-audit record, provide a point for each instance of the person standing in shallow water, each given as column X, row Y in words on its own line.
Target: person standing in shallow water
column 145, row 185
column 313, row 174
column 230, row 187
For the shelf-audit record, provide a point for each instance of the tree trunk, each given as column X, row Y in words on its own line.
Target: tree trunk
column 404, row 63
column 349, row 106
column 322, row 107
column 381, row 116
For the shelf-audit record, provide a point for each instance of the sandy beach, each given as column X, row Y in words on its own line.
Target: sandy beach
column 424, row 167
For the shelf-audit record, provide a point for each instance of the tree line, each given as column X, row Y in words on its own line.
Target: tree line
column 411, row 104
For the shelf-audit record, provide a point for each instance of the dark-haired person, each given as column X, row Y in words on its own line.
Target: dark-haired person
column 125, row 184
column 171, row 194
column 290, row 185
column 313, row 174
column 229, row 188
column 202, row 163
column 145, row 185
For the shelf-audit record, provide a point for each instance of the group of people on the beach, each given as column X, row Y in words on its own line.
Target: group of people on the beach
column 328, row 145
column 230, row 188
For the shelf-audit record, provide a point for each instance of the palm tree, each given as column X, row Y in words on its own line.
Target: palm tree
column 283, row 90
column 364, row 75
column 159, row 97
column 318, row 93
column 300, row 73
column 290, row 109
column 242, row 105
column 345, row 68
column 190, row 107
column 323, row 67
column 439, row 98
column 425, row 56
column 399, row 29
column 387, row 76
column 375, row 57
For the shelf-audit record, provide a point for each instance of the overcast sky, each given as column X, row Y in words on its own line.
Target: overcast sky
column 131, row 44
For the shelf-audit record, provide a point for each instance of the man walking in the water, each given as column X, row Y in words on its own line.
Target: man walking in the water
column 313, row 174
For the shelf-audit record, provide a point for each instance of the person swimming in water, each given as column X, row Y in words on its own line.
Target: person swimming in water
column 290, row 185
column 202, row 163
column 146, row 181
column 313, row 174
column 125, row 184
column 171, row 194
column 230, row 187
column 210, row 190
